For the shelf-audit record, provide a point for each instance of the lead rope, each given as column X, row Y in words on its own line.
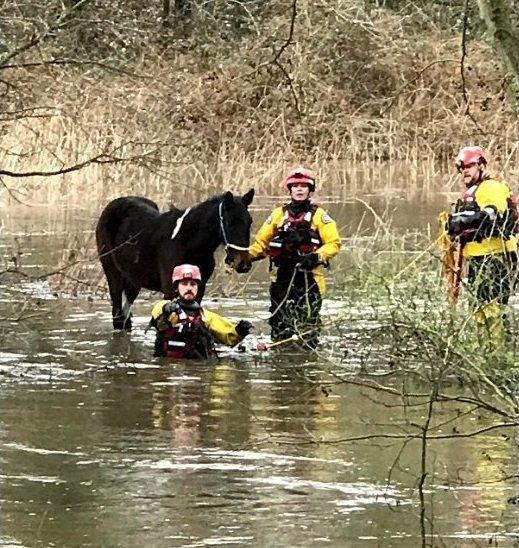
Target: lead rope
column 307, row 298
column 289, row 288
column 226, row 242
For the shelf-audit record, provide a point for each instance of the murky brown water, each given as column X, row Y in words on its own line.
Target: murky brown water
column 102, row 445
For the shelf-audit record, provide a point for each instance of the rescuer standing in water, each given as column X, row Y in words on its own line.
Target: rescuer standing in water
column 299, row 238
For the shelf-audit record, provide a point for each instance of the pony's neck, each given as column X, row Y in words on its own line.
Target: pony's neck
column 202, row 226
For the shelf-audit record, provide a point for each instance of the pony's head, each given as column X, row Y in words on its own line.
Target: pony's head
column 235, row 223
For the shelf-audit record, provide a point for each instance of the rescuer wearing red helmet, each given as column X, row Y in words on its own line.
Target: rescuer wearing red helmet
column 299, row 238
column 484, row 224
column 184, row 328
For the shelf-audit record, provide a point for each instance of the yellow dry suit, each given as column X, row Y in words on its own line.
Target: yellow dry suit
column 497, row 233
column 484, row 222
column 297, row 238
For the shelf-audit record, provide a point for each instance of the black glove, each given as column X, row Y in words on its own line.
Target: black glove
column 169, row 308
column 467, row 223
column 243, row 328
column 309, row 261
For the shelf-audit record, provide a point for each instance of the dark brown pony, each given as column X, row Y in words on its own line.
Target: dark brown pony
column 139, row 246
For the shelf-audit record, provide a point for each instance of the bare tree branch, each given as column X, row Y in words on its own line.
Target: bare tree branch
column 103, row 158
column 36, row 39
column 75, row 63
column 466, row 99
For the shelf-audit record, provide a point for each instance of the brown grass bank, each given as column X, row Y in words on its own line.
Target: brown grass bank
column 371, row 103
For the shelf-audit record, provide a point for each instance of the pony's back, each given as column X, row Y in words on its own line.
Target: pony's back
column 134, row 210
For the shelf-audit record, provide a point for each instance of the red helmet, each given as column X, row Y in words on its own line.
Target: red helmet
column 471, row 155
column 186, row 272
column 300, row 175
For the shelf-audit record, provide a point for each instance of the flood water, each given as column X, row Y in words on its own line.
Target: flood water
column 103, row 445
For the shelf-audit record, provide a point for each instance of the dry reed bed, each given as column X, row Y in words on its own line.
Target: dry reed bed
column 373, row 109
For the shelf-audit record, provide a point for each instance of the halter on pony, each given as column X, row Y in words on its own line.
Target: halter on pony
column 223, row 231
column 226, row 242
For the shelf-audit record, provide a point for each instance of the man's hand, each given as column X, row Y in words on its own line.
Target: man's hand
column 243, row 328
column 309, row 261
column 170, row 308
column 468, row 226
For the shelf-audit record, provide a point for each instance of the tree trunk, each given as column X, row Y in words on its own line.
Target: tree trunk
column 182, row 6
column 166, row 12
column 502, row 20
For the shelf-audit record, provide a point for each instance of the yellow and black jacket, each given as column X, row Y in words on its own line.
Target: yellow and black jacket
column 321, row 222
column 221, row 329
column 490, row 194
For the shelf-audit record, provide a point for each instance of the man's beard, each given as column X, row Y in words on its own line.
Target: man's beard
column 189, row 306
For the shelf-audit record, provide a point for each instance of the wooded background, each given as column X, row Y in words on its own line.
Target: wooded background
column 129, row 96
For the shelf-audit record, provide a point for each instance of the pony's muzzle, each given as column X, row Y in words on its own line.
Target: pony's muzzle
column 243, row 268
column 238, row 258
column 242, row 262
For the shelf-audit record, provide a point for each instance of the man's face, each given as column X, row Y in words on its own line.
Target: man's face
column 471, row 173
column 299, row 192
column 188, row 289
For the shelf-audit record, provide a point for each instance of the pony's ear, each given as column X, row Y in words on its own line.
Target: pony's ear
column 228, row 198
column 248, row 197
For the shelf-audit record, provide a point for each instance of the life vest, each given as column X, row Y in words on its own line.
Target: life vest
column 294, row 238
column 467, row 201
column 505, row 225
column 188, row 338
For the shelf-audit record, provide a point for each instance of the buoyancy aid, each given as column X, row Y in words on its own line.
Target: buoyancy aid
column 189, row 338
column 504, row 225
column 295, row 237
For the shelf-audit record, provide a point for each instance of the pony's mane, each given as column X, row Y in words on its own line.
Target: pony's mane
column 210, row 201
column 175, row 210
column 213, row 200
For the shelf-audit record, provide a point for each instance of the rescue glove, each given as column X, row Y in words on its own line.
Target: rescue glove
column 309, row 261
column 463, row 222
column 243, row 328
column 170, row 308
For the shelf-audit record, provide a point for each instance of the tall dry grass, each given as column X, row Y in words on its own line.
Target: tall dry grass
column 371, row 105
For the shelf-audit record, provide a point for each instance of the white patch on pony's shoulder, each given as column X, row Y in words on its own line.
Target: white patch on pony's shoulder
column 178, row 224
